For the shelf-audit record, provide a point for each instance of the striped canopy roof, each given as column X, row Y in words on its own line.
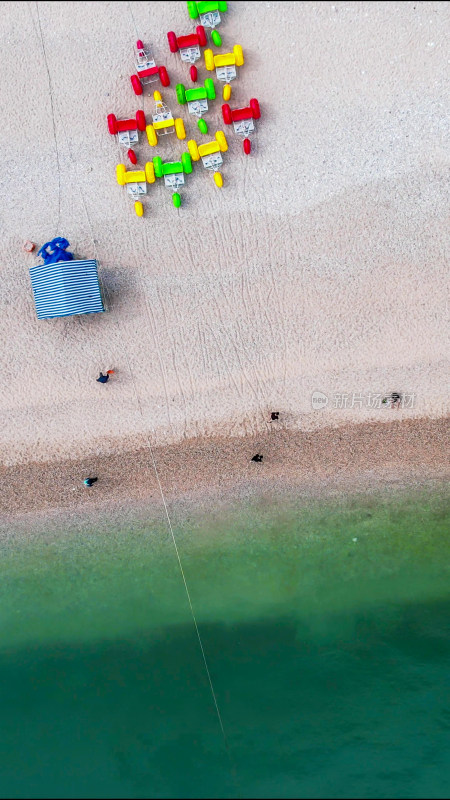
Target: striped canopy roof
column 66, row 288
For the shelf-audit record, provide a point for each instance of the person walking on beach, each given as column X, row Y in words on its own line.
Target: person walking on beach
column 105, row 378
column 257, row 458
column 89, row 481
column 393, row 400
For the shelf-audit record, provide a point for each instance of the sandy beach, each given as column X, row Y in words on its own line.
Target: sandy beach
column 321, row 266
column 209, row 474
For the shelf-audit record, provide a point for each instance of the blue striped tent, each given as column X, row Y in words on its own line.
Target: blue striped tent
column 66, row 288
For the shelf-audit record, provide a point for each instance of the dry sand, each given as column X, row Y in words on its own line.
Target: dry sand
column 321, row 265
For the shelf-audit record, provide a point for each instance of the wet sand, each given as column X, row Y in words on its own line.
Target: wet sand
column 210, row 471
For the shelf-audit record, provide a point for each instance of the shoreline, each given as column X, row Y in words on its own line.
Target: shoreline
column 198, row 472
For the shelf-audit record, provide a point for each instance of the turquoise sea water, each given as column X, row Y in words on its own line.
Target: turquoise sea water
column 329, row 657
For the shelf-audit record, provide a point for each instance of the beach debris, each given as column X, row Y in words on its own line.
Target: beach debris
column 147, row 71
column 89, row 481
column 242, row 120
column 197, row 100
column 104, row 378
column 209, row 17
column 28, row 246
column 211, row 154
column 225, row 65
column 136, row 182
column 258, row 458
column 189, row 47
column 163, row 122
column 127, row 130
column 274, row 415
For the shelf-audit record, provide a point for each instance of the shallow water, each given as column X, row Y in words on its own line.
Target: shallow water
column 329, row 657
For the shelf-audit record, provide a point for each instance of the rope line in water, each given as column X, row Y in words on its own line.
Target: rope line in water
column 211, row 685
column 105, row 290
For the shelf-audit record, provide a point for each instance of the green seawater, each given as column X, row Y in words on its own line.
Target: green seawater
column 329, row 657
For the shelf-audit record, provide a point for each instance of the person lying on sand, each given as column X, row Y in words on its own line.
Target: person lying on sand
column 105, row 378
column 89, row 481
column 257, row 458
